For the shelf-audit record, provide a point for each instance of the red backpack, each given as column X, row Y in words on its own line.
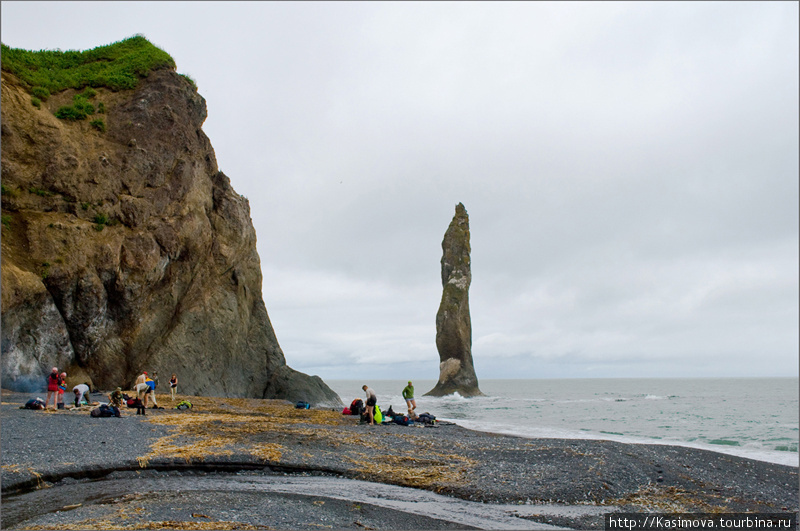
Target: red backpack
column 356, row 406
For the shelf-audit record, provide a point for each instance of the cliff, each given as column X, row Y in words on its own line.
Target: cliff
column 453, row 324
column 124, row 248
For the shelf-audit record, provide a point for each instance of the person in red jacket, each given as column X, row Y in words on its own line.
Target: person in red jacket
column 52, row 388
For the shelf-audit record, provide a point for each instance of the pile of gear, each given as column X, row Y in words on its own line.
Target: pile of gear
column 390, row 416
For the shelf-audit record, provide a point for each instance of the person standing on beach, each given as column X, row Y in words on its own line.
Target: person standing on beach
column 152, row 385
column 62, row 386
column 141, row 388
column 52, row 388
column 173, row 385
column 372, row 399
column 408, row 394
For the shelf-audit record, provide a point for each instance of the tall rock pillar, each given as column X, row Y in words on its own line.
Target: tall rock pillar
column 453, row 325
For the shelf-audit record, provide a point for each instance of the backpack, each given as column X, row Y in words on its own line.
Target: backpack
column 34, row 403
column 377, row 415
column 356, row 406
column 402, row 420
column 133, row 402
column 185, row 404
column 105, row 411
column 346, row 411
column 427, row 418
column 302, row 405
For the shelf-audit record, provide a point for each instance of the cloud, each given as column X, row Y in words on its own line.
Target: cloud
column 630, row 171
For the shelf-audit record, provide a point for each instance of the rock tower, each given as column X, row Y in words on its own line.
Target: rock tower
column 453, row 325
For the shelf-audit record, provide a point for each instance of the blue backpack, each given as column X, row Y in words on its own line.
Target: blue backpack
column 402, row 420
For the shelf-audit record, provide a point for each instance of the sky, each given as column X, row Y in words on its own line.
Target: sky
column 630, row 171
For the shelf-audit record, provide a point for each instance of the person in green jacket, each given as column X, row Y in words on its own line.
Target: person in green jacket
column 408, row 394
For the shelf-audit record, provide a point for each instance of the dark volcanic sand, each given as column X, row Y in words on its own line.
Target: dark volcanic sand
column 568, row 483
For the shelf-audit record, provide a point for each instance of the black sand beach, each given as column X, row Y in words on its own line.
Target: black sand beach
column 261, row 464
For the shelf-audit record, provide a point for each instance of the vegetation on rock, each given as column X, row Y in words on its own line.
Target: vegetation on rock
column 117, row 66
column 80, row 109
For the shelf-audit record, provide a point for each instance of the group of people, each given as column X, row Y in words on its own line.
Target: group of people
column 145, row 388
column 372, row 399
column 57, row 385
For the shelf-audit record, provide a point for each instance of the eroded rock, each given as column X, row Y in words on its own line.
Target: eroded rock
column 128, row 250
column 453, row 325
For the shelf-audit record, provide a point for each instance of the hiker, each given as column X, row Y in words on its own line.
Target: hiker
column 155, row 381
column 142, row 388
column 142, row 392
column 52, row 388
column 62, row 386
column 152, row 385
column 81, row 391
column 408, row 394
column 371, row 401
column 173, row 386
column 116, row 398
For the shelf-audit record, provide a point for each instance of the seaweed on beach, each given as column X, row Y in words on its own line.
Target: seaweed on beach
column 215, row 428
column 666, row 499
column 410, row 471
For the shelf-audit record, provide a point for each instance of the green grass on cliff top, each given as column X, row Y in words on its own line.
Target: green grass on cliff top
column 117, row 66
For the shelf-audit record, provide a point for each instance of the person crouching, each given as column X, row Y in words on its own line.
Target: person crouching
column 81, row 392
column 143, row 392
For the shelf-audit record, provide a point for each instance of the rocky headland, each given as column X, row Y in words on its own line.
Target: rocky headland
column 124, row 247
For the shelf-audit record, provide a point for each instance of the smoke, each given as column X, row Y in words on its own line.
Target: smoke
column 26, row 384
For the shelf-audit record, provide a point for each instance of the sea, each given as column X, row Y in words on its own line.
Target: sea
column 756, row 418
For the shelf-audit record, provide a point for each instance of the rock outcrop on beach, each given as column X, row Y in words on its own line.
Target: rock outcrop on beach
column 125, row 248
column 453, row 325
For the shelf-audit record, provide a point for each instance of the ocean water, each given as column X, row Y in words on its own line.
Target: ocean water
column 749, row 417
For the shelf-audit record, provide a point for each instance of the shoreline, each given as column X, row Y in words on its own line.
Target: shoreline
column 785, row 458
column 668, row 393
column 42, row 450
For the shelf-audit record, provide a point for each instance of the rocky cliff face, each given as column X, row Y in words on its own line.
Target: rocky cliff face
column 127, row 249
column 453, row 325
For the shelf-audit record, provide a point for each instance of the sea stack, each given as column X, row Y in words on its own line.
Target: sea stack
column 453, row 325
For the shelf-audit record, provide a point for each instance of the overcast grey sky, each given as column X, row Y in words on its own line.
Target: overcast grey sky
column 630, row 171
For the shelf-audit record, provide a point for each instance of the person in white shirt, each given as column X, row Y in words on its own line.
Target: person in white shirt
column 370, row 405
column 81, row 391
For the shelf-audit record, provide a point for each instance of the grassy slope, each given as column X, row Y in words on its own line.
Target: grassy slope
column 117, row 66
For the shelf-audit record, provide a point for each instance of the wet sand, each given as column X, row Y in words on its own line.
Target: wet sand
column 258, row 464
